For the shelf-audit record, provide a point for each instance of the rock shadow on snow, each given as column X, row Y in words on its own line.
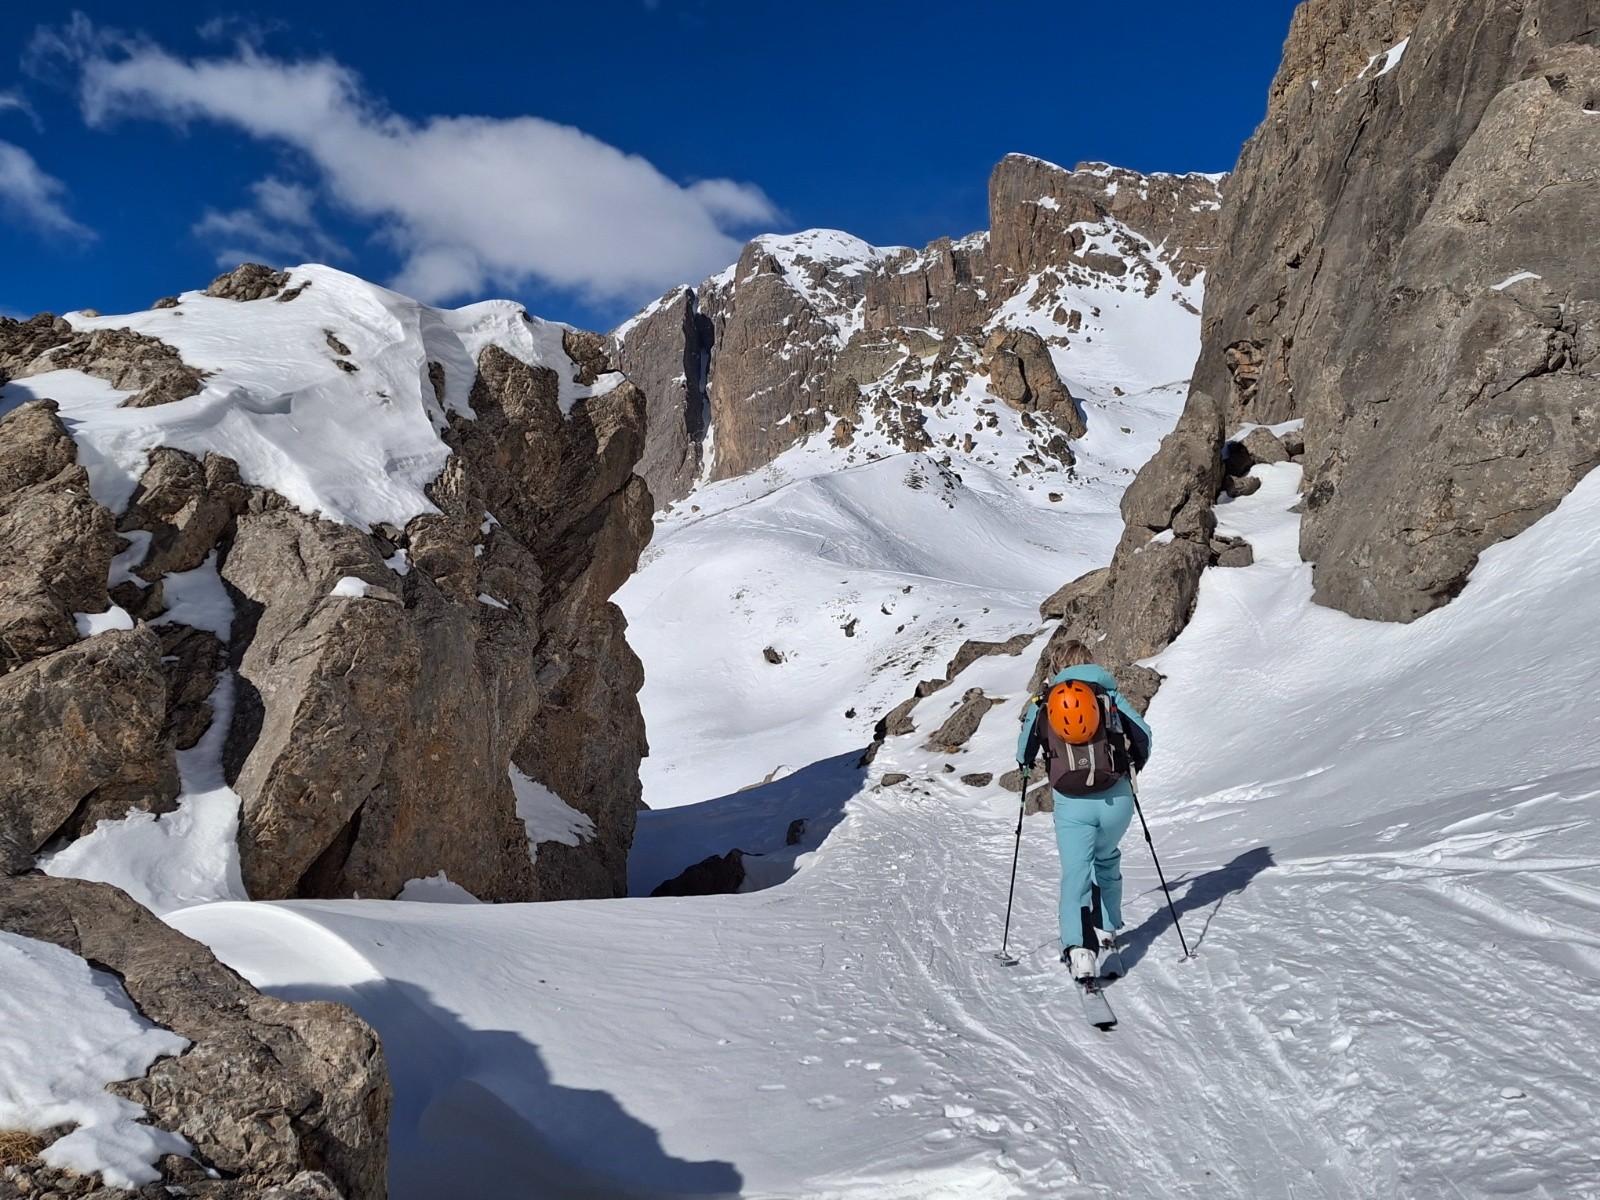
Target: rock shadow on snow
column 1191, row 894
column 476, row 1113
column 772, row 825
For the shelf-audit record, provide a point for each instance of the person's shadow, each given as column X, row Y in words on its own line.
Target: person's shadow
column 1190, row 895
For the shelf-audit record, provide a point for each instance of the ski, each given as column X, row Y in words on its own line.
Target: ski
column 1111, row 961
column 1095, row 1007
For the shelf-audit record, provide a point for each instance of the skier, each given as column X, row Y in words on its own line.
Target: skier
column 1087, row 734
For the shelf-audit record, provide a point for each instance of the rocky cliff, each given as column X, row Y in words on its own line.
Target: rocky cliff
column 304, row 591
column 1401, row 286
column 1409, row 279
column 1406, row 268
column 819, row 333
column 349, row 596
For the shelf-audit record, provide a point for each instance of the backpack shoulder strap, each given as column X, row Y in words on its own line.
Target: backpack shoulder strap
column 1036, row 739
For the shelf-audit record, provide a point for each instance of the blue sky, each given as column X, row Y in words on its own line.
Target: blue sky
column 579, row 157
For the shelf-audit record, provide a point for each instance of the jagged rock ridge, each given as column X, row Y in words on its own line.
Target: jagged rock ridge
column 821, row 333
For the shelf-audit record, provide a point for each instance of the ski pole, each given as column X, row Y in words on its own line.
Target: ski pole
column 1133, row 779
column 1016, row 853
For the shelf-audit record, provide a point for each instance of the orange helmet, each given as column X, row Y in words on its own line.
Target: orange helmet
column 1072, row 712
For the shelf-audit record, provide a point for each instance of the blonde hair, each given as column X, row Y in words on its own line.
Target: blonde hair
column 1070, row 654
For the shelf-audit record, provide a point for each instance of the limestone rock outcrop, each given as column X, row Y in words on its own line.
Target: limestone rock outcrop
column 56, row 543
column 248, row 281
column 1413, row 279
column 820, row 333
column 82, row 739
column 277, row 1098
column 374, row 734
column 128, row 361
column 386, row 691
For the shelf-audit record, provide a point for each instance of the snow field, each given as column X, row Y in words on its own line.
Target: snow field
column 912, row 556
column 1393, row 993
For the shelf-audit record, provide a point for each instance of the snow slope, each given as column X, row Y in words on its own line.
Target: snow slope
column 866, row 567
column 1383, row 844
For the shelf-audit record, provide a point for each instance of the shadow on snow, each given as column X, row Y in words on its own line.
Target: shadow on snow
column 756, row 820
column 477, row 1114
column 1191, row 894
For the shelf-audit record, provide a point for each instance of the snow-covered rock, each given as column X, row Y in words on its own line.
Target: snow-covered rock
column 351, row 471
column 820, row 334
column 171, row 1069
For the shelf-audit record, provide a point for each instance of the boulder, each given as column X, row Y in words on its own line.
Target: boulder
column 1078, row 603
column 34, row 446
column 974, row 649
column 1232, row 552
column 81, row 740
column 717, row 875
column 186, row 506
column 56, row 543
column 272, row 1095
column 248, row 281
column 960, row 725
column 897, row 721
column 1153, row 597
column 1023, row 374
column 1182, row 479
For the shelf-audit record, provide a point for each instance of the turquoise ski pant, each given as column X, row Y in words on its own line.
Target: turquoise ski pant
column 1088, row 829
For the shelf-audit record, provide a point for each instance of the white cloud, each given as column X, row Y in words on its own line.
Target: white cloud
column 470, row 203
column 30, row 197
column 281, row 228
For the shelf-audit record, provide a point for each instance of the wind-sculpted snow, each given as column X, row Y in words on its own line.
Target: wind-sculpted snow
column 326, row 399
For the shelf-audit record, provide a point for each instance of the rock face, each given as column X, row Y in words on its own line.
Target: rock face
column 56, row 543
column 374, row 737
column 272, row 1095
column 384, row 689
column 1413, row 279
column 667, row 353
column 1403, row 276
column 83, row 739
column 129, row 361
column 819, row 332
